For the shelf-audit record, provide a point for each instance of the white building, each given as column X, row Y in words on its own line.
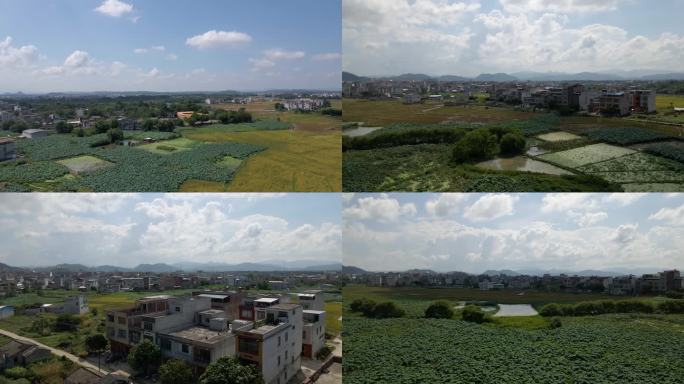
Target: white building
column 313, row 336
column 312, row 300
column 34, row 133
column 76, row 305
column 275, row 346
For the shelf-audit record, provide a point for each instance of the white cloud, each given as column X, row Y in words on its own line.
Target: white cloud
column 219, row 39
column 624, row 199
column 490, row 207
column 381, row 208
column 11, row 56
column 154, row 72
column 259, row 64
column 590, row 218
column 562, row 6
column 140, row 50
column 78, row 59
column 445, row 204
column 172, row 57
column 280, row 54
column 114, row 8
column 563, row 202
column 673, row 216
column 625, row 233
column 327, row 56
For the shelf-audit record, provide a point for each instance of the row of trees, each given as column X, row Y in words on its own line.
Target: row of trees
column 588, row 308
column 403, row 136
column 225, row 117
column 371, row 309
column 485, row 143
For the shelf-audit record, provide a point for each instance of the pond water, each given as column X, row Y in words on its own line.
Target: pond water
column 360, row 131
column 515, row 310
column 521, row 163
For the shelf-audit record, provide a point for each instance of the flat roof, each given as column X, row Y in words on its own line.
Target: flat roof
column 201, row 334
column 285, row 306
column 314, row 312
column 211, row 312
column 266, row 300
column 212, row 296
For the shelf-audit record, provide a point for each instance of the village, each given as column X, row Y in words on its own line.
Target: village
column 273, row 321
column 654, row 283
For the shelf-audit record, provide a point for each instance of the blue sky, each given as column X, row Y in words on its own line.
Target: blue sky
column 476, row 232
column 302, row 36
column 129, row 229
column 469, row 37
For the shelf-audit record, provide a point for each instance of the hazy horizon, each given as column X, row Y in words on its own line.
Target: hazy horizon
column 121, row 45
column 475, row 232
column 128, row 229
column 469, row 37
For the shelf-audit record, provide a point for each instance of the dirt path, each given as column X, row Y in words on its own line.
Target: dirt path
column 55, row 351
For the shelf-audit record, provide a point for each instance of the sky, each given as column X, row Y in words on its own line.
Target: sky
column 125, row 230
column 180, row 45
column 469, row 37
column 478, row 232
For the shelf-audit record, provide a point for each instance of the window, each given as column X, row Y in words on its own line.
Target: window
column 279, row 361
column 122, row 320
column 178, row 309
column 279, row 341
column 185, row 348
column 304, row 334
column 286, row 355
column 110, row 318
column 165, row 344
column 285, row 336
column 122, row 333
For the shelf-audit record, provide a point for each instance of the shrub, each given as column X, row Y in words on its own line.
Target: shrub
column 475, row 145
column 555, row 323
column 674, row 295
column 549, row 310
column 512, row 144
column 16, row 372
column 473, row 314
column 439, row 310
column 167, row 148
column 67, row 322
column 671, row 306
column 363, row 305
column 633, row 306
column 387, row 310
column 324, row 352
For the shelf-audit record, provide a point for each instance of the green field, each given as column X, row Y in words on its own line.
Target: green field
column 601, row 349
column 597, row 349
column 373, row 165
column 83, row 164
column 166, row 147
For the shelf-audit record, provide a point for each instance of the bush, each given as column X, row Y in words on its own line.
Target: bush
column 387, row 310
column 324, row 352
column 114, row 135
column 167, row 148
column 512, row 144
column 633, row 306
column 67, row 322
column 555, row 323
column 549, row 310
column 16, row 372
column 363, row 305
column 439, row 310
column 674, row 295
column 671, row 306
column 473, row 314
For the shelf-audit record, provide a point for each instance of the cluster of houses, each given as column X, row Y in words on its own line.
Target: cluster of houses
column 661, row 282
column 303, row 104
column 272, row 332
column 15, row 280
column 597, row 98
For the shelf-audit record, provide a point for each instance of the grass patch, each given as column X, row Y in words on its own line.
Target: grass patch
column 230, row 162
column 523, row 322
column 84, row 164
column 589, row 154
column 169, row 146
column 558, row 136
column 333, row 324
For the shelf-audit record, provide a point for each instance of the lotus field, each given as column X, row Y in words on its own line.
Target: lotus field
column 605, row 349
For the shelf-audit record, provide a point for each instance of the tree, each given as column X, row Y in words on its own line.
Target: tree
column 439, row 310
column 80, row 132
column 228, row 370
column 145, row 357
column 475, row 145
column 148, row 125
column 175, row 372
column 114, row 135
column 96, row 343
column 512, row 144
column 63, row 127
column 473, row 314
column 67, row 322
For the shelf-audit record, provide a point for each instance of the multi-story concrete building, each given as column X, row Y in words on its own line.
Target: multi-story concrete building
column 76, row 305
column 643, row 101
column 312, row 300
column 313, row 336
column 228, row 302
column 614, row 103
column 124, row 326
column 274, row 344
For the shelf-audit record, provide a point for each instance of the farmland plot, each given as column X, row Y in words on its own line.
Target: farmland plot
column 637, row 168
column 624, row 136
column 575, row 158
column 84, row 164
column 558, row 136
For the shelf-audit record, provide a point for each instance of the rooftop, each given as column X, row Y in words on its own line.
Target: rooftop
column 286, row 307
column 5, row 140
column 200, row 334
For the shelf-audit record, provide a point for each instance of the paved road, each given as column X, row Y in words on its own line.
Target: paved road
column 55, row 351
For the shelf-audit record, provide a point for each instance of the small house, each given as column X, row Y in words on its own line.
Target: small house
column 20, row 353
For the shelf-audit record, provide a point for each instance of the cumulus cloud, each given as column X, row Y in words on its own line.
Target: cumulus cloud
column 219, row 39
column 12, row 56
column 673, row 216
column 445, row 204
column 561, row 6
column 381, row 208
column 327, row 56
column 491, row 207
column 78, row 59
column 114, row 8
column 280, row 54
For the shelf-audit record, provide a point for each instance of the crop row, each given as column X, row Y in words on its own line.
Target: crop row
column 624, row 136
column 669, row 150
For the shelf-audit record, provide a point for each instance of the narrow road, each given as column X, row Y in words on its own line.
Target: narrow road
column 54, row 351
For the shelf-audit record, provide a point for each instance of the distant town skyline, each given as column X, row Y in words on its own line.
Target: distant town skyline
column 470, row 37
column 132, row 45
column 125, row 230
column 478, row 232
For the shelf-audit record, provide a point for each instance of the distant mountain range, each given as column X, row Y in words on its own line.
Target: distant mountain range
column 530, row 272
column 529, row 76
column 273, row 266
